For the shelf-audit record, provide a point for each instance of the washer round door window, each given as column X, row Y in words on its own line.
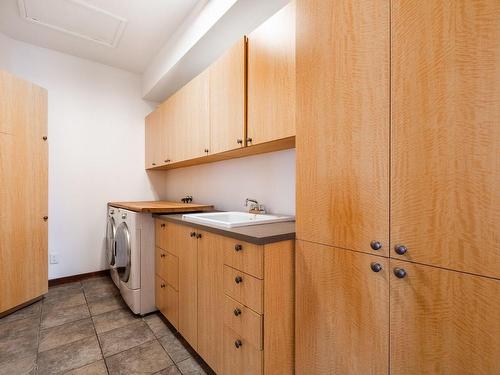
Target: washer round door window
column 122, row 252
column 110, row 241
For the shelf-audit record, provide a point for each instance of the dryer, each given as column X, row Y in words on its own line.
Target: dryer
column 134, row 259
column 110, row 245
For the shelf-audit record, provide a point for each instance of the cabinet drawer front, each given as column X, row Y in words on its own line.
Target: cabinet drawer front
column 167, row 267
column 243, row 321
column 167, row 301
column 240, row 357
column 161, row 234
column 244, row 288
column 244, row 256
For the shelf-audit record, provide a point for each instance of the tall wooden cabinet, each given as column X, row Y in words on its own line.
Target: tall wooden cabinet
column 271, row 78
column 433, row 299
column 23, row 191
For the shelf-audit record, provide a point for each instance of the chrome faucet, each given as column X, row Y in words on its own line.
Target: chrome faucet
column 255, row 207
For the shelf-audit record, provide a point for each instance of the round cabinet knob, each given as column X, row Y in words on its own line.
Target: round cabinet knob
column 153, row 163
column 375, row 245
column 238, row 247
column 237, row 312
column 239, row 141
column 198, row 235
column 376, row 267
column 44, row 137
column 206, row 150
column 249, row 140
column 238, row 279
column 400, row 249
column 162, row 225
column 399, row 273
column 167, row 160
column 192, row 234
column 238, row 344
column 162, row 256
column 45, row 218
column 162, row 286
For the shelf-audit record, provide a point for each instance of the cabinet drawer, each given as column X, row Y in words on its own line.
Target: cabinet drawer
column 240, row 357
column 244, row 256
column 244, row 288
column 243, row 321
column 167, row 267
column 167, row 301
column 165, row 235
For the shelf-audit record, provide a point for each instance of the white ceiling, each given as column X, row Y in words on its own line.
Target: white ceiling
column 148, row 26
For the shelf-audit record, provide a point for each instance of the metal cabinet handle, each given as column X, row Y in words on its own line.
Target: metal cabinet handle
column 239, row 141
column 249, row 140
column 238, row 279
column 162, row 285
column 376, row 267
column 400, row 249
column 237, row 312
column 375, row 245
column 238, row 344
column 162, row 225
column 400, row 273
column 198, row 235
column 238, row 247
column 192, row 234
column 45, row 218
column 44, row 137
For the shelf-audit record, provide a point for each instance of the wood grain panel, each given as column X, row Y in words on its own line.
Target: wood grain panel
column 446, row 133
column 444, row 322
column 279, row 307
column 249, row 291
column 271, row 78
column 245, row 322
column 167, row 301
column 342, row 312
column 167, row 267
column 245, row 360
column 23, row 191
column 227, row 99
column 162, row 206
column 154, row 142
column 187, row 250
column 210, row 299
column 249, row 258
column 343, row 123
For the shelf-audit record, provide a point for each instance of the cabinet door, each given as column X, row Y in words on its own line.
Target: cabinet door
column 227, row 100
column 23, row 191
column 271, row 78
column 343, row 123
column 342, row 312
column 154, row 139
column 188, row 294
column 444, row 322
column 210, row 299
column 445, row 180
column 194, row 118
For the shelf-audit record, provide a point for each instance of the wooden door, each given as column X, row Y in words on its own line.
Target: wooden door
column 195, row 122
column 227, row 100
column 443, row 322
column 154, row 140
column 23, row 191
column 210, row 299
column 271, row 78
column 342, row 311
column 187, row 250
column 343, row 123
column 445, row 200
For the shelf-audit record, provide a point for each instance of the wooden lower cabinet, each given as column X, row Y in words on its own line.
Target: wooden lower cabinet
column 215, row 313
column 342, row 311
column 210, row 299
column 167, row 301
column 444, row 322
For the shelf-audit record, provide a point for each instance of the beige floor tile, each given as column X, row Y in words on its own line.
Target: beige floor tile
column 55, row 316
column 114, row 319
column 74, row 298
column 103, row 305
column 64, row 334
column 103, row 291
column 124, row 338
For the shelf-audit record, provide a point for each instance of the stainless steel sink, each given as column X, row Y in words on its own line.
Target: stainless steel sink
column 235, row 219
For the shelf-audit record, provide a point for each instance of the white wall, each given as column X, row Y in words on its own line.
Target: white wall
column 269, row 178
column 96, row 148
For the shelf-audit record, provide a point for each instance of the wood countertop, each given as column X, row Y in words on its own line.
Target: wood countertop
column 161, row 206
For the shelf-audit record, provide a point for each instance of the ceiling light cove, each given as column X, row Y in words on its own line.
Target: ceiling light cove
column 76, row 18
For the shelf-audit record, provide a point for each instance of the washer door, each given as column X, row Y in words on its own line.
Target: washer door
column 110, row 241
column 122, row 252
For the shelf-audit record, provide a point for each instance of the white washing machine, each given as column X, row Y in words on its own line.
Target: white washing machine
column 134, row 259
column 110, row 245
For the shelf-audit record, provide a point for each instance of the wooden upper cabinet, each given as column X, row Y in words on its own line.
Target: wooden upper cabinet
column 343, row 123
column 443, row 322
column 271, row 78
column 445, row 200
column 154, row 139
column 23, row 191
column 227, row 100
column 342, row 312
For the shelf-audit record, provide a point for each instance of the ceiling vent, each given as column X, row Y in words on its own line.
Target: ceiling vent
column 76, row 18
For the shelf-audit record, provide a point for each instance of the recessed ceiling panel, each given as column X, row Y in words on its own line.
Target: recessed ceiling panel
column 75, row 17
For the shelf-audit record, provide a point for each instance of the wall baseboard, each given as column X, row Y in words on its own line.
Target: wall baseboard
column 73, row 278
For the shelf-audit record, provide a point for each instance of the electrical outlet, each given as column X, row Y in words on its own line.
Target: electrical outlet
column 54, row 258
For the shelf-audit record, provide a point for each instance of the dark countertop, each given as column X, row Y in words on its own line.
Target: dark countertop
column 257, row 234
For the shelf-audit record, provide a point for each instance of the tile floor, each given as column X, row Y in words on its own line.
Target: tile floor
column 86, row 328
